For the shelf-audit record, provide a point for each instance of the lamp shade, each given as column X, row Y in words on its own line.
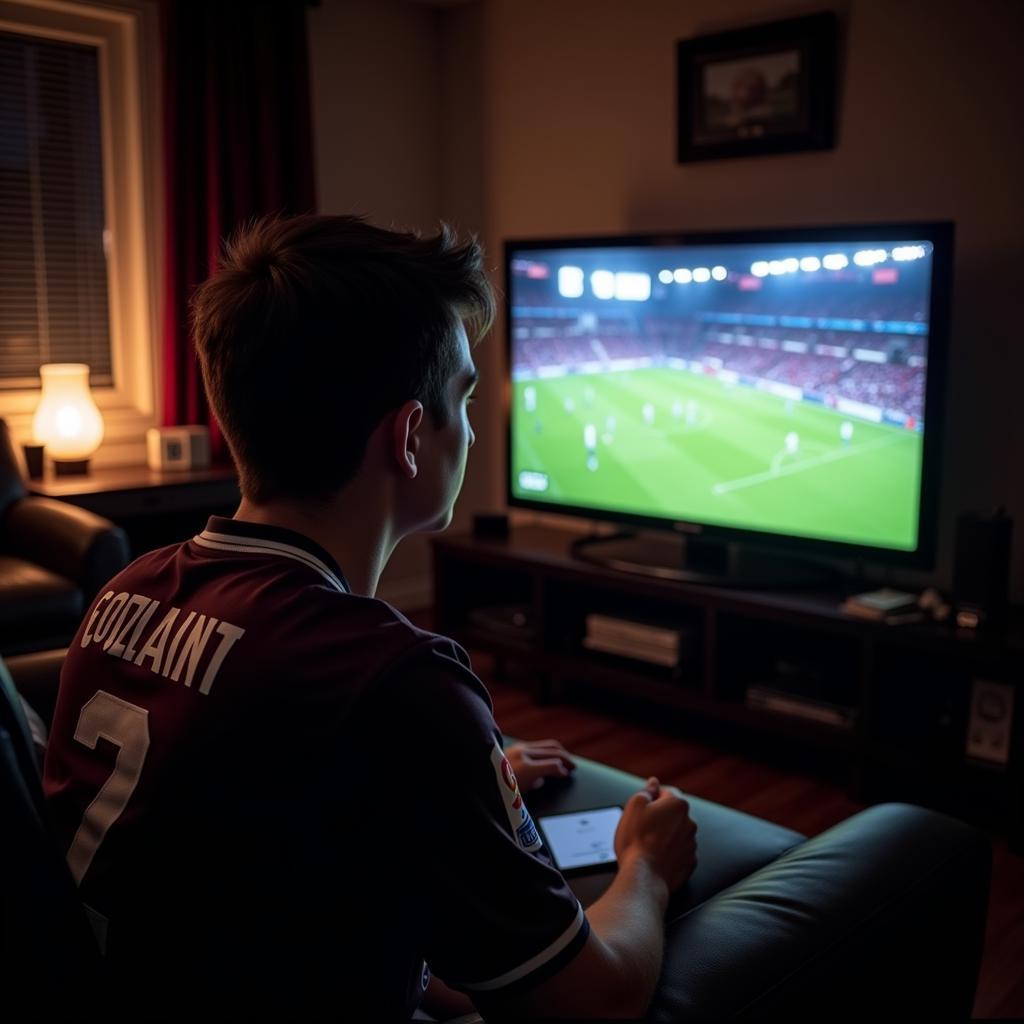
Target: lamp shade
column 67, row 420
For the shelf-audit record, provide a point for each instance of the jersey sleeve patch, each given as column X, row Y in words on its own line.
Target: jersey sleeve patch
column 519, row 819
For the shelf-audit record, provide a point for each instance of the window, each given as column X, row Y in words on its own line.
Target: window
column 79, row 207
column 53, row 273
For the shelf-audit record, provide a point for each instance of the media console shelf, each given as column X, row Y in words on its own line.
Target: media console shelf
column 905, row 690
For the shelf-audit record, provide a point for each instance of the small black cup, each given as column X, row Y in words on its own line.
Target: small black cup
column 34, row 460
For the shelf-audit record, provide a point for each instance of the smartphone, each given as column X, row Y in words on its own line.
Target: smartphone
column 582, row 841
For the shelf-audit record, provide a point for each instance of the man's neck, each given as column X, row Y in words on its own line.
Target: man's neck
column 350, row 527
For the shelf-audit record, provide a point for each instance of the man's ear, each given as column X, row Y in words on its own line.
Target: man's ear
column 406, row 438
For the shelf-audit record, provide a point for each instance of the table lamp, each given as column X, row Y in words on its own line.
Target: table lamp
column 67, row 421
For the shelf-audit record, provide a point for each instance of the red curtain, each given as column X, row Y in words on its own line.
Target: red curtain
column 237, row 144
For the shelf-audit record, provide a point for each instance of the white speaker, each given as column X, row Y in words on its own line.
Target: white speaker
column 178, row 447
column 991, row 721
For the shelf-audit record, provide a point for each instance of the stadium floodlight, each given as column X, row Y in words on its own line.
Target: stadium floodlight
column 869, row 257
column 810, row 264
column 632, row 286
column 835, row 261
column 683, row 276
column 665, row 276
column 776, row 267
column 792, row 265
column 602, row 284
column 719, row 273
column 759, row 268
column 909, row 252
column 570, row 282
column 701, row 274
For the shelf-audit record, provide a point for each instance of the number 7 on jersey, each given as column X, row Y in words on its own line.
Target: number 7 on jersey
column 127, row 727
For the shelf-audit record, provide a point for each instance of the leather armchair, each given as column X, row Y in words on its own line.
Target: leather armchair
column 884, row 914
column 54, row 557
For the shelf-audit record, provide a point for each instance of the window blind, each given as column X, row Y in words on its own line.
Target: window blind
column 53, row 268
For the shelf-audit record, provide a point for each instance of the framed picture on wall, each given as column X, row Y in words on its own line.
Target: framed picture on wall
column 764, row 89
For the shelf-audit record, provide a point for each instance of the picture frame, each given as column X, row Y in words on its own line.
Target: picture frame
column 764, row 89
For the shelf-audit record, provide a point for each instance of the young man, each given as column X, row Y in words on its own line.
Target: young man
column 279, row 797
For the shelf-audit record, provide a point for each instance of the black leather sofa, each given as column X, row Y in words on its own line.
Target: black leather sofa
column 882, row 916
column 53, row 559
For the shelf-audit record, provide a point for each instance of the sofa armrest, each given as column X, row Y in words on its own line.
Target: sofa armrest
column 37, row 678
column 66, row 539
column 884, row 913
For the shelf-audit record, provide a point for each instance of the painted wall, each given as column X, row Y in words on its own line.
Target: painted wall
column 559, row 118
column 376, row 89
column 579, row 133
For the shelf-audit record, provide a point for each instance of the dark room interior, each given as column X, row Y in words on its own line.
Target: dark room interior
column 511, row 510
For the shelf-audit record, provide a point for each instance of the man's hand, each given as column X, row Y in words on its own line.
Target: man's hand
column 656, row 826
column 534, row 762
column 615, row 973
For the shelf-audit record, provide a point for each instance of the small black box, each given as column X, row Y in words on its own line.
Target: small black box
column 490, row 526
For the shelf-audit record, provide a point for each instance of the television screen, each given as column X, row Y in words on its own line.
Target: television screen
column 774, row 385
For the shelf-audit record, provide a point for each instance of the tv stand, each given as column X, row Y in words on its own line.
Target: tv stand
column 901, row 695
column 690, row 560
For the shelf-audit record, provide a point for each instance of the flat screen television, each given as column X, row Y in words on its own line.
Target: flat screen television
column 782, row 388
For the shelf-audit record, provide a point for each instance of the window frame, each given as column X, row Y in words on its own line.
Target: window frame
column 126, row 36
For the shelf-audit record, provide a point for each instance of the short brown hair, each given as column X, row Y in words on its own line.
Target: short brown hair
column 316, row 327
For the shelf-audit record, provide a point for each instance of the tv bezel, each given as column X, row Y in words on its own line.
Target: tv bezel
column 941, row 235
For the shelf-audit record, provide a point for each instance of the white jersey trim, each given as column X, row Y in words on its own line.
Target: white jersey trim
column 259, row 546
column 534, row 962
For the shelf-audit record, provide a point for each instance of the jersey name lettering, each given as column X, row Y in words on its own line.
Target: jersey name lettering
column 126, row 627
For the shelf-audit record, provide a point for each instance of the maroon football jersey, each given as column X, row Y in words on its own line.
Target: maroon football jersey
column 282, row 799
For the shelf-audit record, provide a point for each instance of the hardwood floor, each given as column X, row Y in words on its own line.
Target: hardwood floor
column 791, row 787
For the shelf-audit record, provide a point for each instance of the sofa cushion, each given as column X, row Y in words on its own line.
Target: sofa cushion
column 38, row 608
column 37, row 678
column 884, row 911
column 730, row 844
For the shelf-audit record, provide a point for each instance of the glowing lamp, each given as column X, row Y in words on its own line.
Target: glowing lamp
column 67, row 421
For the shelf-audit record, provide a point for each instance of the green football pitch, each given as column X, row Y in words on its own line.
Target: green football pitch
column 708, row 452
